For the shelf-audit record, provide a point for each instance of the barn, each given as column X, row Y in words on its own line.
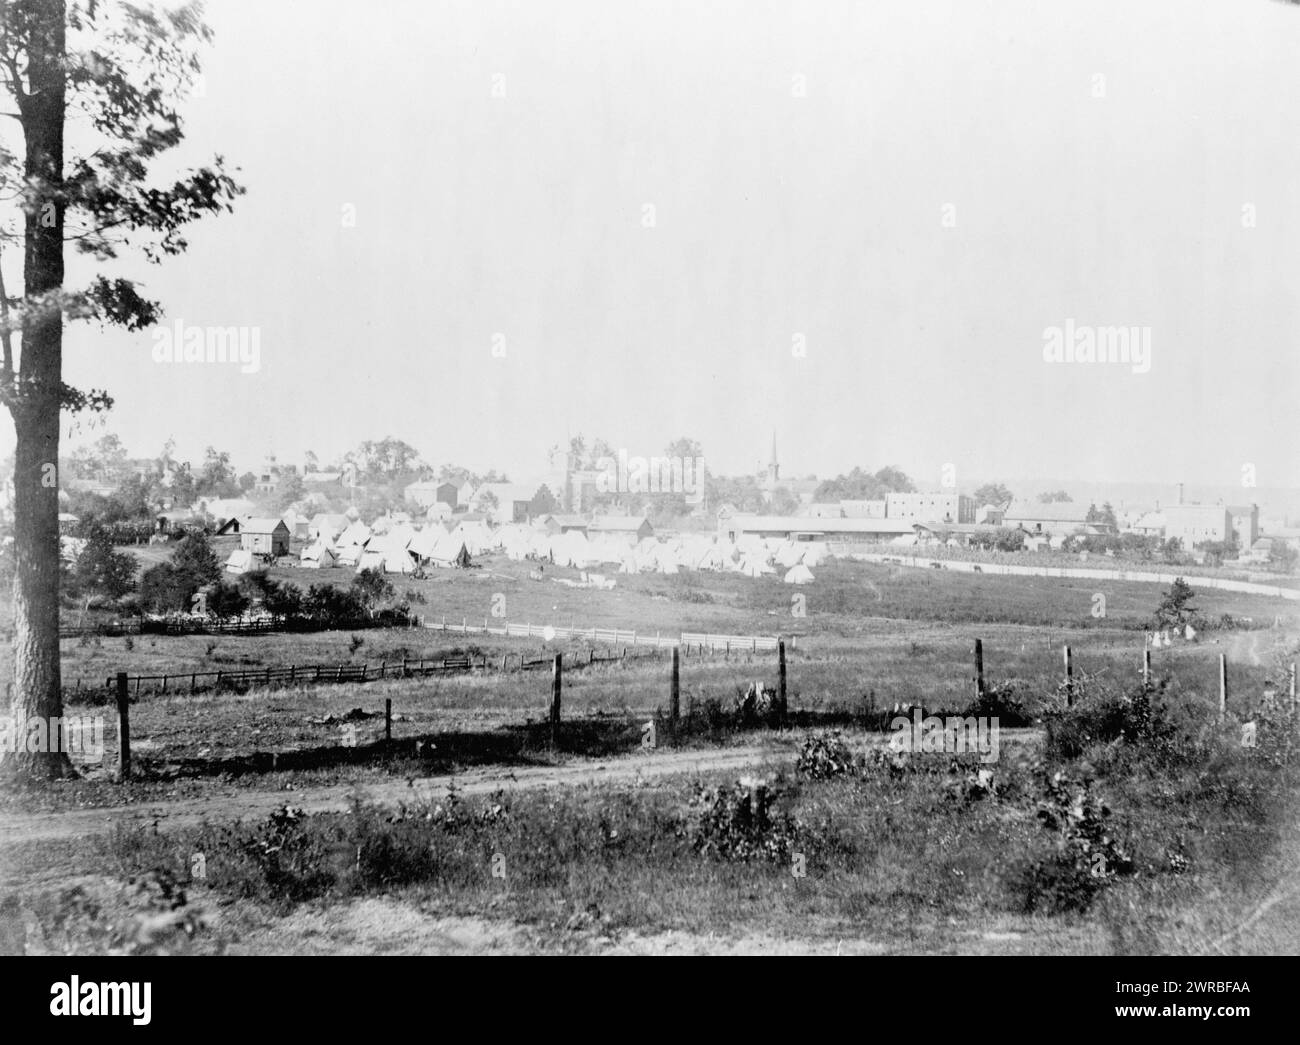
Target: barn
column 264, row 537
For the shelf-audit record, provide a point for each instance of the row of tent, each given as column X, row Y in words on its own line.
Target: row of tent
column 752, row 556
column 402, row 549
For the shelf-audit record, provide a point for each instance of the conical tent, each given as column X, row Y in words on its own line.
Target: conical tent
column 318, row 556
column 571, row 549
column 449, row 551
column 356, row 533
column 400, row 561
column 712, row 559
column 371, row 561
column 799, row 574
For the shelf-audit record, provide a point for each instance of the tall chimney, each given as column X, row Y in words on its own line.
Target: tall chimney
column 1180, row 493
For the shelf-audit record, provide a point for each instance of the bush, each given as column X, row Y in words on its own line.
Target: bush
column 824, row 756
column 331, row 605
column 1086, row 857
column 1005, row 701
column 293, row 862
column 1140, row 720
column 739, row 823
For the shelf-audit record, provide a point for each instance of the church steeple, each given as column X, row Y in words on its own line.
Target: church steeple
column 773, row 468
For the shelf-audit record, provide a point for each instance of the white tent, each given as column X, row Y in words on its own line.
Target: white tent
column 241, row 561
column 754, row 567
column 399, row 562
column 712, row 559
column 389, row 551
column 371, row 561
column 799, row 574
column 318, row 556
column 572, row 549
column 476, row 536
column 355, row 533
column 788, row 554
column 351, row 555
column 326, row 525
column 446, row 551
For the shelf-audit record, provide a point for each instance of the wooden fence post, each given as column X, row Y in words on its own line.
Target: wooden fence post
column 1146, row 667
column 557, row 672
column 123, row 728
column 388, row 720
column 1293, row 685
column 780, row 681
column 1069, row 678
column 675, row 693
column 1223, row 686
column 979, row 669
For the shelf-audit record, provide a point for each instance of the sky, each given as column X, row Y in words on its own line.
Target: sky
column 486, row 227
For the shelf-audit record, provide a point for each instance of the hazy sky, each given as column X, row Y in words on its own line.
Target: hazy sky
column 917, row 190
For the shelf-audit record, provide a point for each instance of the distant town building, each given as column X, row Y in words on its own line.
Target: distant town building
column 822, row 511
column 630, row 525
column 1058, row 517
column 863, row 509
column 808, row 528
column 512, row 501
column 428, row 492
column 557, row 524
column 1245, row 524
column 930, row 507
column 1195, row 524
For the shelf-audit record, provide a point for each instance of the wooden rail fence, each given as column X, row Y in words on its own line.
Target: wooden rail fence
column 610, row 636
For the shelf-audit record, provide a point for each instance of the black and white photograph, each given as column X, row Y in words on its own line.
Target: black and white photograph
column 647, row 478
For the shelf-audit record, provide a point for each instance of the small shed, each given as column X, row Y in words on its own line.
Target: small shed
column 264, row 537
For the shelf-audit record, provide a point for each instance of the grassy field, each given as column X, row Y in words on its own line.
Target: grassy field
column 869, row 638
column 899, row 860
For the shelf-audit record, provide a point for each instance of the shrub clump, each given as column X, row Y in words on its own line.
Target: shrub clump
column 1004, row 701
column 825, row 755
column 1085, row 857
column 740, row 823
column 1139, row 720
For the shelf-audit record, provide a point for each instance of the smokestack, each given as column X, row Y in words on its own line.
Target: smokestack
column 1180, row 493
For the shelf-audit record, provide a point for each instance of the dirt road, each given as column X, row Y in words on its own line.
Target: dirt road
column 243, row 804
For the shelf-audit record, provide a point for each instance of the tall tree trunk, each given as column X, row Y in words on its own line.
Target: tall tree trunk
column 37, row 682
